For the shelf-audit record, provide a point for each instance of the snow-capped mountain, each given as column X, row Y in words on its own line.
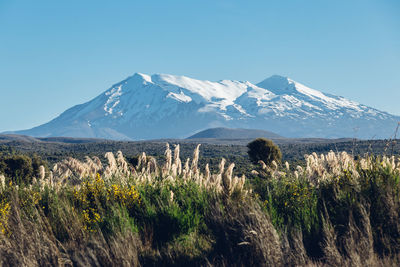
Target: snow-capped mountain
column 169, row 106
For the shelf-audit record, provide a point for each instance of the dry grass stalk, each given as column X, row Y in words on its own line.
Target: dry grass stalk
column 2, row 182
column 152, row 166
column 166, row 170
column 186, row 171
column 94, row 165
column 142, row 162
column 42, row 172
column 195, row 160
column 112, row 166
column 227, row 179
column 147, row 171
column 207, row 173
column 122, row 164
column 177, row 161
column 324, row 167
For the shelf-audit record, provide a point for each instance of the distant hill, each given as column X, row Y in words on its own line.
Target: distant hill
column 228, row 133
column 4, row 138
column 16, row 137
column 72, row 140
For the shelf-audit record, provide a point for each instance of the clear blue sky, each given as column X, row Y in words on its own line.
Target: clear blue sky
column 56, row 54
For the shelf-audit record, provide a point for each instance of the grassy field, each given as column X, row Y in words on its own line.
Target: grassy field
column 332, row 210
column 54, row 150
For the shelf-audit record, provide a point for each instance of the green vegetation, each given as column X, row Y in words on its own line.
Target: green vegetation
column 262, row 149
column 21, row 168
column 332, row 210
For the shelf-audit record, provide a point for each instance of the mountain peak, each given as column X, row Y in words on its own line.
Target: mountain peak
column 277, row 77
column 278, row 84
column 141, row 77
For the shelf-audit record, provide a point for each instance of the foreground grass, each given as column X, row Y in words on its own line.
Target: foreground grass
column 334, row 211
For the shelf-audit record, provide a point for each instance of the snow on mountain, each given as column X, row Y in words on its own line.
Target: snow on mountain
column 170, row 106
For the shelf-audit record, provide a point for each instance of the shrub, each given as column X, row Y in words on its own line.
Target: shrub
column 21, row 168
column 265, row 150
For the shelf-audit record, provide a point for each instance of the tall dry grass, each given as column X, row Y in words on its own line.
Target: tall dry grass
column 332, row 211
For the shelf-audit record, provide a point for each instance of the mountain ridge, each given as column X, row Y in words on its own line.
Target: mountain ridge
column 168, row 106
column 238, row 133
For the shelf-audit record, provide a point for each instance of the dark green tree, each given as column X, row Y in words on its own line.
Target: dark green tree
column 19, row 168
column 265, row 150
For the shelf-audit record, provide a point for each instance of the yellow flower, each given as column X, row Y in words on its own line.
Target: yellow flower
column 4, row 214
